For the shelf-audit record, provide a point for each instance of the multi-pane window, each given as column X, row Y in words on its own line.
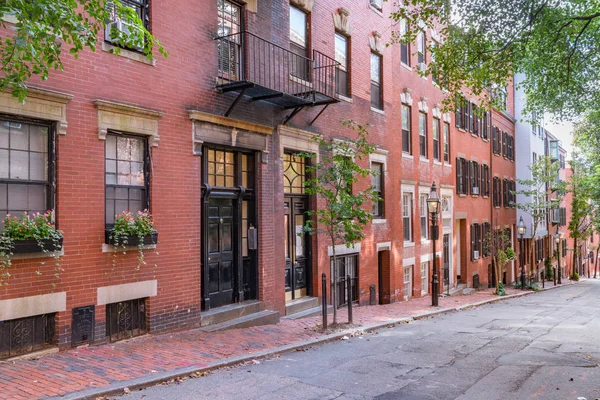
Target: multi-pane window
column 423, row 216
column 376, row 89
column 230, row 47
column 404, row 46
column 497, row 192
column 342, row 75
column 299, row 43
column 139, row 7
column 126, row 175
column 484, row 126
column 377, row 182
column 406, row 136
column 294, row 173
column 496, row 140
column 424, row 277
column 25, row 168
column 221, row 168
column 465, row 115
column 485, row 180
column 421, row 48
column 436, row 139
column 347, row 265
column 462, row 175
column 504, row 144
column 423, row 135
column 447, row 142
column 475, row 178
column 408, row 282
column 407, row 207
column 475, row 241
column 486, row 230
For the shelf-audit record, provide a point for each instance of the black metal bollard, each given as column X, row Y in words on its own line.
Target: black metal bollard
column 554, row 276
column 324, row 282
column 349, row 286
column 543, row 280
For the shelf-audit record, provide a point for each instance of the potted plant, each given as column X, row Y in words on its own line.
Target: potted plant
column 29, row 233
column 133, row 230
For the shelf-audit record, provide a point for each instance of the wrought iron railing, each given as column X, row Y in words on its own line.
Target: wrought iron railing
column 247, row 58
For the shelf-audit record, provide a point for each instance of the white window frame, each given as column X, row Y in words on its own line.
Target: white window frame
column 407, row 212
column 423, row 215
column 407, row 272
column 424, row 277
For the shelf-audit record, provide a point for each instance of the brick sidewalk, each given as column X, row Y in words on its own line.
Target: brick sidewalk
column 99, row 366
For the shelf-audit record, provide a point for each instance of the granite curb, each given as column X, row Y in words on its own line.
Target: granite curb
column 117, row 388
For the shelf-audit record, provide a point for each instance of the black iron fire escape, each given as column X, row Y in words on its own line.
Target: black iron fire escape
column 263, row 71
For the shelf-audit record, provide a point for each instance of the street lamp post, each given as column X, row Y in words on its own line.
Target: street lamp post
column 557, row 239
column 521, row 230
column 433, row 206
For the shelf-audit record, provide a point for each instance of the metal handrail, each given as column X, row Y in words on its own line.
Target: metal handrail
column 246, row 57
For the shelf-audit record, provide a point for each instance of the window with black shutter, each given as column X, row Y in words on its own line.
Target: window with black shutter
column 472, row 242
column 475, row 178
column 504, row 146
column 406, row 136
column 466, row 175
column 497, row 192
column 459, row 175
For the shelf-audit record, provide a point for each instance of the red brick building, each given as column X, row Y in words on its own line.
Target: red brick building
column 207, row 139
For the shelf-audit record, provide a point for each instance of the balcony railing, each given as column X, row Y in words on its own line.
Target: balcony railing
column 261, row 70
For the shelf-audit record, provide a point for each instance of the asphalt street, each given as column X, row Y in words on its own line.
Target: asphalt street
column 543, row 346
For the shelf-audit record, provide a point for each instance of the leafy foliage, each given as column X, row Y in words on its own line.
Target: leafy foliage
column 35, row 226
column 544, row 175
column 128, row 226
column 498, row 241
column 553, row 43
column 342, row 215
column 574, row 276
column 43, row 29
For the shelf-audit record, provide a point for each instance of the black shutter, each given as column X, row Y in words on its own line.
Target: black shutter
column 472, row 242
column 466, row 175
column 458, row 176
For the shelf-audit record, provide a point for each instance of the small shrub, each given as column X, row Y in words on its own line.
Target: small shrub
column 500, row 291
column 575, row 276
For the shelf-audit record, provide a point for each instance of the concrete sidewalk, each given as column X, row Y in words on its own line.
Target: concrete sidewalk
column 107, row 369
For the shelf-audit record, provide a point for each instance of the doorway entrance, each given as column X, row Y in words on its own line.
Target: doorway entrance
column 229, row 265
column 296, row 242
column 296, row 260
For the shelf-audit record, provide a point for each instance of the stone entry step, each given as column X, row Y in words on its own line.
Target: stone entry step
column 458, row 290
column 264, row 317
column 226, row 313
column 311, row 312
column 300, row 305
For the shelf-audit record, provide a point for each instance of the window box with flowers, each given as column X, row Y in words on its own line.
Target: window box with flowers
column 132, row 230
column 27, row 234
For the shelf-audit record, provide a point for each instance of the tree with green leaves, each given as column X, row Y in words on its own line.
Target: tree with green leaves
column 343, row 214
column 580, row 225
column 483, row 43
column 37, row 33
column 498, row 243
column 544, row 179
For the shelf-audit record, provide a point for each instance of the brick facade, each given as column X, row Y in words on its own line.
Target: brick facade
column 185, row 81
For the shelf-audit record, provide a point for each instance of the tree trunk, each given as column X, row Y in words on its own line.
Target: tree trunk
column 498, row 269
column 575, row 251
column 334, row 277
column 596, row 263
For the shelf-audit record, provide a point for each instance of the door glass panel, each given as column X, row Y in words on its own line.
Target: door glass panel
column 294, row 174
column 299, row 236
column 286, row 227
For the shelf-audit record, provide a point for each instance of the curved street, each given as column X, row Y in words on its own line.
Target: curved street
column 543, row 346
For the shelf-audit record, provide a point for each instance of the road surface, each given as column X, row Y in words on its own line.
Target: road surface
column 543, row 346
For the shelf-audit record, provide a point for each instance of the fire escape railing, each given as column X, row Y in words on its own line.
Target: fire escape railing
column 262, row 70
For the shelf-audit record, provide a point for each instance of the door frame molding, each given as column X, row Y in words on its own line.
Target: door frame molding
column 238, row 195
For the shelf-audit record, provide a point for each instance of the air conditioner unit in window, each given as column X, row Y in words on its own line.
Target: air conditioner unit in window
column 476, row 254
column 422, row 67
column 475, row 190
column 127, row 29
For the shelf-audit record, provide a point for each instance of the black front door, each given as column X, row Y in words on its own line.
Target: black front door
column 296, row 248
column 221, row 262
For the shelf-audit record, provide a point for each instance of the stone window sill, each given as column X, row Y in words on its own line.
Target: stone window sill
column 109, row 248
column 377, row 110
column 129, row 54
column 408, row 156
column 409, row 244
column 344, row 98
column 379, row 221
